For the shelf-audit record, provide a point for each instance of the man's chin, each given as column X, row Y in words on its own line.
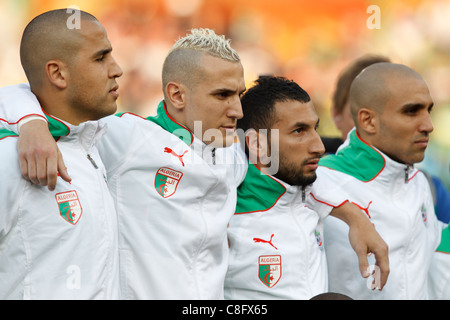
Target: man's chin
column 308, row 179
column 298, row 180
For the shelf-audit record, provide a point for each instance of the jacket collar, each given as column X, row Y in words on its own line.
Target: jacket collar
column 366, row 163
column 58, row 128
column 88, row 133
column 164, row 120
column 261, row 192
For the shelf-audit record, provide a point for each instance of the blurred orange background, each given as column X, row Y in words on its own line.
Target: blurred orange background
column 307, row 41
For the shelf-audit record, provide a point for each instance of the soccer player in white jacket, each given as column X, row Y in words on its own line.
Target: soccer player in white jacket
column 174, row 175
column 391, row 107
column 276, row 235
column 62, row 243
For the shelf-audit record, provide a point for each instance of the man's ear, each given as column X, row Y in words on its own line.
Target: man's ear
column 257, row 145
column 176, row 94
column 57, row 73
column 368, row 120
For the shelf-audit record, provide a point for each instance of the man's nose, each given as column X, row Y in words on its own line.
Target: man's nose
column 235, row 110
column 317, row 146
column 115, row 71
column 426, row 124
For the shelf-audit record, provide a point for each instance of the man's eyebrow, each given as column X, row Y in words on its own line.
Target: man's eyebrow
column 227, row 90
column 417, row 106
column 102, row 52
column 306, row 125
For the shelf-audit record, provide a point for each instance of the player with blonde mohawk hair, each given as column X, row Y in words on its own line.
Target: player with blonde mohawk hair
column 174, row 190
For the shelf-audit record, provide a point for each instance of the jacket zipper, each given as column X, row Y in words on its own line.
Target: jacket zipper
column 213, row 153
column 303, row 194
column 92, row 161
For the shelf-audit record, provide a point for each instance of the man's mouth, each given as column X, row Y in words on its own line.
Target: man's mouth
column 229, row 129
column 422, row 142
column 114, row 91
column 312, row 164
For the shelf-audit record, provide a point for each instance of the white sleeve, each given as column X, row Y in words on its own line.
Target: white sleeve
column 325, row 195
column 17, row 102
column 11, row 186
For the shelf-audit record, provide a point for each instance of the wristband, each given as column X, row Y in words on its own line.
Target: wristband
column 28, row 119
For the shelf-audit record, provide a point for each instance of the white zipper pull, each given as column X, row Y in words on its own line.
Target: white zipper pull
column 92, row 161
column 213, row 152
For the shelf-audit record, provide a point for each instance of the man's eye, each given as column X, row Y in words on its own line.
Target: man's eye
column 222, row 95
column 100, row 59
column 411, row 111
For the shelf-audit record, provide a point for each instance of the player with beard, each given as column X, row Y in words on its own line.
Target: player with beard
column 275, row 238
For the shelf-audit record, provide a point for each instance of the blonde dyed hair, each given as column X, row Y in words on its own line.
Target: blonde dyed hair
column 183, row 63
column 207, row 41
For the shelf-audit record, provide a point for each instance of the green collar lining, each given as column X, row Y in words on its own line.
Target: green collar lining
column 258, row 191
column 357, row 159
column 57, row 128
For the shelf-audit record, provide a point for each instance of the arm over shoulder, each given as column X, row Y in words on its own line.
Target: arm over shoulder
column 17, row 102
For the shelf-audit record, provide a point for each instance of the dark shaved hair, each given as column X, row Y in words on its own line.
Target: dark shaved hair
column 48, row 37
column 258, row 103
column 371, row 88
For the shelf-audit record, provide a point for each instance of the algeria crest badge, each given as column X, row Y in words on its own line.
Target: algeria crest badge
column 269, row 270
column 166, row 181
column 69, row 206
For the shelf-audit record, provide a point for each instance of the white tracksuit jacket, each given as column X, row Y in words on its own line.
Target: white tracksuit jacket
column 60, row 244
column 276, row 240
column 398, row 201
column 174, row 197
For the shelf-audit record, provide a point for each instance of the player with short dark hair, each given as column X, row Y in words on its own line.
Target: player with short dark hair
column 62, row 243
